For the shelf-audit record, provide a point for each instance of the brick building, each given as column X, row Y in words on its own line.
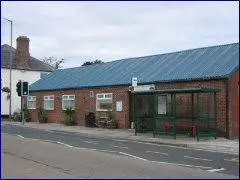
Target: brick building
column 99, row 87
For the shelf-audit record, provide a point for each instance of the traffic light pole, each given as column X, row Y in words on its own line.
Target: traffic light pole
column 22, row 114
column 23, row 91
column 22, row 105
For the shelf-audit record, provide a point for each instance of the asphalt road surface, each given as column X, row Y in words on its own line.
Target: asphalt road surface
column 173, row 161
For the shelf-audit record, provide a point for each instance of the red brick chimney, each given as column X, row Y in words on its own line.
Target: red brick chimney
column 22, row 53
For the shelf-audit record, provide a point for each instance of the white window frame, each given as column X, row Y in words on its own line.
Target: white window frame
column 104, row 96
column 31, row 99
column 67, row 98
column 48, row 98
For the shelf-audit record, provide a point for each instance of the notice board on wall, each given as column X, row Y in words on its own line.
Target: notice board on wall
column 162, row 104
column 119, row 106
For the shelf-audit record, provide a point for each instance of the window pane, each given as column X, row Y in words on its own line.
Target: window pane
column 108, row 95
column 100, row 96
column 49, row 104
column 105, row 106
column 31, row 104
column 72, row 97
column 65, row 97
column 68, row 104
column 72, row 104
column 45, row 104
column 106, row 100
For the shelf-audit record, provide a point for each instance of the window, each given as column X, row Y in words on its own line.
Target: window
column 91, row 94
column 49, row 102
column 104, row 102
column 68, row 101
column 31, row 102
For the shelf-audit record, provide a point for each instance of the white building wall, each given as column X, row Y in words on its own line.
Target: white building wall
column 29, row 76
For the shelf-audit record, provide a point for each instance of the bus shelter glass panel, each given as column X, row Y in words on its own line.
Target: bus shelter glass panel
column 144, row 109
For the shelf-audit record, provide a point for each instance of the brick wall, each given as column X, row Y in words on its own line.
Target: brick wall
column 233, row 108
column 84, row 103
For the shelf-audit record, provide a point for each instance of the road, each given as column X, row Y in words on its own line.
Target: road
column 176, row 161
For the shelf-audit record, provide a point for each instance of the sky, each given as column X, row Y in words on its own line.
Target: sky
column 81, row 31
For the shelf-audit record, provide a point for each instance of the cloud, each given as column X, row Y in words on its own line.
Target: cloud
column 80, row 31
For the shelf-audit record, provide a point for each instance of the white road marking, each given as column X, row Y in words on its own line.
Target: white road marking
column 84, row 148
column 216, row 170
column 65, row 144
column 20, row 136
column 48, row 130
column 56, row 132
column 121, row 147
column 108, row 151
column 120, row 140
column 133, row 156
column 184, row 165
column 156, row 152
column 232, row 160
column 197, row 158
column 167, row 145
column 91, row 142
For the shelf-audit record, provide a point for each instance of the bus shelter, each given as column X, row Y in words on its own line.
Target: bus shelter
column 191, row 111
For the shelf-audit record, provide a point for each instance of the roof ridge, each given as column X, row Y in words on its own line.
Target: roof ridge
column 180, row 51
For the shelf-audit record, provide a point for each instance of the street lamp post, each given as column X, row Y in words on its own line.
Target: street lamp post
column 10, row 67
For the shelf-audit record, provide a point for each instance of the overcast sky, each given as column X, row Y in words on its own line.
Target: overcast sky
column 82, row 31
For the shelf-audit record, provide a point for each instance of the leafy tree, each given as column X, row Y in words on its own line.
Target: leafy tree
column 54, row 62
column 87, row 63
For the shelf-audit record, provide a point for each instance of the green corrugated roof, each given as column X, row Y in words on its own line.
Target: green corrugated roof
column 202, row 63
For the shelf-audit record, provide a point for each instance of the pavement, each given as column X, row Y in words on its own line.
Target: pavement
column 221, row 145
column 33, row 158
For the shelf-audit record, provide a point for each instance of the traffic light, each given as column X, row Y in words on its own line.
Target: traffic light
column 25, row 88
column 19, row 87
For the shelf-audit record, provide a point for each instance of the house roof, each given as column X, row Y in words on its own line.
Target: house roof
column 195, row 64
column 36, row 65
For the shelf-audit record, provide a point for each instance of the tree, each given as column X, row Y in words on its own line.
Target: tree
column 87, row 63
column 54, row 62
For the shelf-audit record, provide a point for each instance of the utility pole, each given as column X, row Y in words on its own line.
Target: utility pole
column 10, row 67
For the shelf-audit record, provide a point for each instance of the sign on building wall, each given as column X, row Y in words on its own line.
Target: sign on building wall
column 134, row 81
column 119, row 105
column 162, row 104
column 144, row 88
